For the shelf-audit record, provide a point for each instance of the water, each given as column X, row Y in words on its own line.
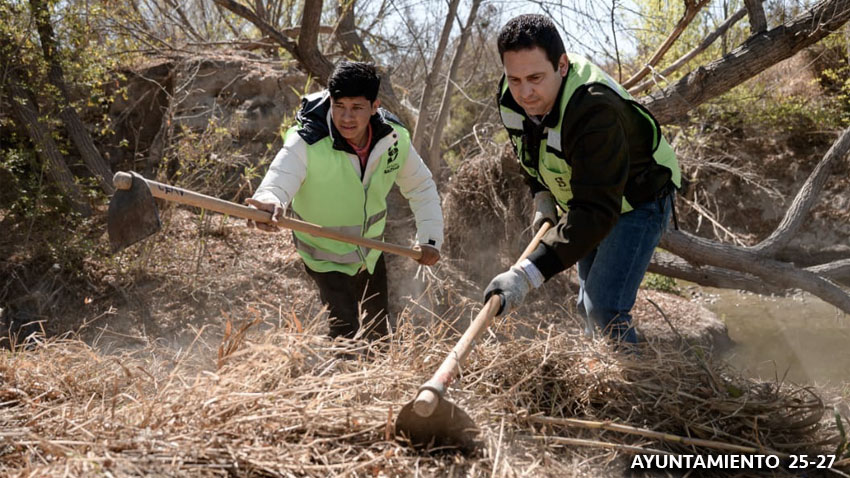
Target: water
column 801, row 338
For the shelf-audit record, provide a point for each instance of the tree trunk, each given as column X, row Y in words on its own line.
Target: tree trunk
column 754, row 56
column 758, row 22
column 673, row 266
column 307, row 54
column 756, row 268
column 76, row 130
column 702, row 251
column 805, row 199
column 431, row 78
column 346, row 33
column 434, row 151
column 25, row 108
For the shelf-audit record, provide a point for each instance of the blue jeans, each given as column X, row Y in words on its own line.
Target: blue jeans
column 610, row 275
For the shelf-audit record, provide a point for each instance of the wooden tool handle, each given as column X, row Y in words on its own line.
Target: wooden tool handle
column 429, row 394
column 183, row 196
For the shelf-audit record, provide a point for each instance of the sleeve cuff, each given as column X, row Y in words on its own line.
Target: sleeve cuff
column 268, row 196
column 546, row 261
column 428, row 240
column 532, row 272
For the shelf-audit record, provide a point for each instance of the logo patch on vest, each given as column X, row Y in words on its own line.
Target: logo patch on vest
column 392, row 155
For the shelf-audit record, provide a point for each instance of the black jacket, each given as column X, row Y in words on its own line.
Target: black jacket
column 608, row 145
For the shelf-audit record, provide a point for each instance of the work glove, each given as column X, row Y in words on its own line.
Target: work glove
column 544, row 210
column 513, row 284
column 277, row 210
column 430, row 254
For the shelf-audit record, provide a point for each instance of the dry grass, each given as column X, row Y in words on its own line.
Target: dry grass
column 279, row 402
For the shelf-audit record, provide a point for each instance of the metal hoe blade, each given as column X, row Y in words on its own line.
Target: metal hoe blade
column 132, row 215
column 448, row 427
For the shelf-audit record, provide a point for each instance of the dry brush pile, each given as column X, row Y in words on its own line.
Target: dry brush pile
column 288, row 402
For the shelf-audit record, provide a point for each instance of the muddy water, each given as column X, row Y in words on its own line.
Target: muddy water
column 801, row 337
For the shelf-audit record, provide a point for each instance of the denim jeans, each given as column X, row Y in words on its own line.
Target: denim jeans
column 610, row 275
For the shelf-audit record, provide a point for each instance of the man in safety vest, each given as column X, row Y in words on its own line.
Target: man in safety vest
column 589, row 149
column 335, row 169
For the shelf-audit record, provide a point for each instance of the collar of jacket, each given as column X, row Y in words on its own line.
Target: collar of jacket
column 316, row 123
column 552, row 117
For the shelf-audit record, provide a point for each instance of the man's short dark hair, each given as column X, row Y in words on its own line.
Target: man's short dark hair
column 354, row 78
column 529, row 31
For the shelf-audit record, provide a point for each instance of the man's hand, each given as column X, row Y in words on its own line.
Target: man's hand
column 273, row 207
column 512, row 285
column 544, row 210
column 430, row 255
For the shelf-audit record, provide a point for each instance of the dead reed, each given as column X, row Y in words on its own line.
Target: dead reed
column 279, row 402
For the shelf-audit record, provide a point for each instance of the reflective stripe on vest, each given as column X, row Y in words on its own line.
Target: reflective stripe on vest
column 350, row 258
column 334, row 197
column 554, row 172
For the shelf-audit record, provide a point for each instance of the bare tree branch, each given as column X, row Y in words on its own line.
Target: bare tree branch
column 837, row 271
column 433, row 153
column 431, row 78
column 805, row 199
column 670, row 265
column 307, row 53
column 184, row 22
column 698, row 250
column 264, row 27
column 706, row 42
column 692, row 7
column 754, row 56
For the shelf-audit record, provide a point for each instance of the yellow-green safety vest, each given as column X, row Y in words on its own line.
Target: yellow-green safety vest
column 554, row 172
column 333, row 196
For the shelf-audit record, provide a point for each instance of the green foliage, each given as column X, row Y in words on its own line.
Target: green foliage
column 26, row 195
column 86, row 57
column 843, row 448
column 656, row 19
column 39, row 228
column 660, row 283
column 835, row 75
column 783, row 114
column 20, row 195
column 807, row 95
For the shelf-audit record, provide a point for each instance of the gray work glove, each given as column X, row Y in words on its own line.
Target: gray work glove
column 544, row 210
column 511, row 285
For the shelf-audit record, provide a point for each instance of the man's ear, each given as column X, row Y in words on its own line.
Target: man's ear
column 375, row 105
column 563, row 65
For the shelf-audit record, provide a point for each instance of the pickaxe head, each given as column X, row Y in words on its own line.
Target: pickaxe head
column 132, row 214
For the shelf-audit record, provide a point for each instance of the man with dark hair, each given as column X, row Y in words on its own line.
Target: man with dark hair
column 589, row 149
column 335, row 169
